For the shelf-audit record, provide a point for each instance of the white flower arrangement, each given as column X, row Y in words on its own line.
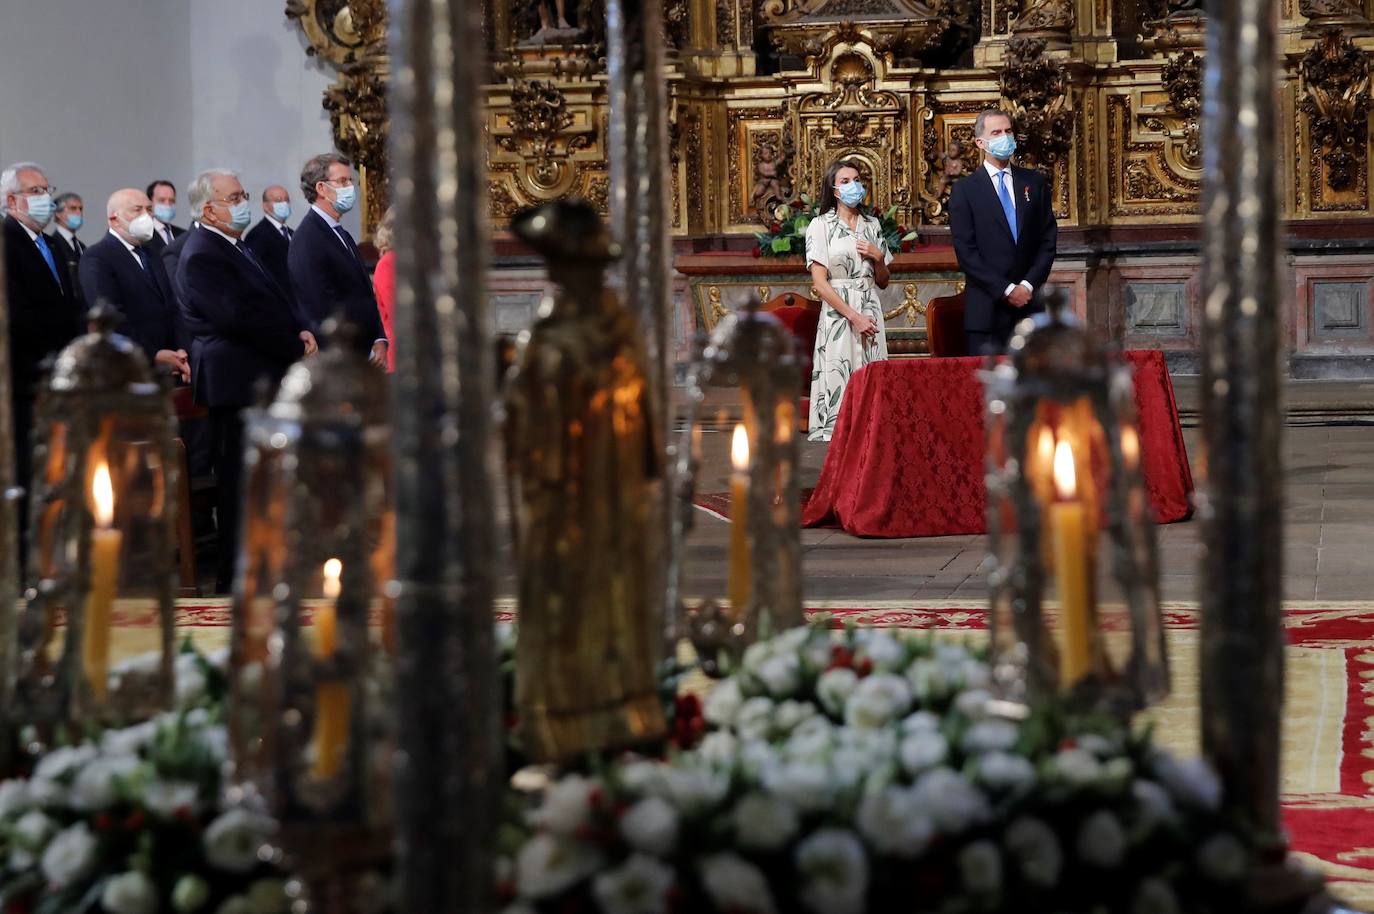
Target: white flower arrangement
column 857, row 771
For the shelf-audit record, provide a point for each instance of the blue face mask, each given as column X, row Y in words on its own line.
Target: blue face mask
column 1002, row 147
column 240, row 214
column 164, row 213
column 282, row 211
column 851, row 194
column 74, row 221
column 40, row 208
column 345, row 197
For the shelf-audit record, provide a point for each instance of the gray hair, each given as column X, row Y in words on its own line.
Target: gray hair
column 991, row 112
column 9, row 181
column 317, row 170
column 201, row 192
column 63, row 199
column 385, row 236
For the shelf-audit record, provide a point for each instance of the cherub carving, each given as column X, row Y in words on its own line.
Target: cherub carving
column 951, row 165
column 769, row 169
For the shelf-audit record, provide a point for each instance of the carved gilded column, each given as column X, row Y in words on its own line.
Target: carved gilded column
column 352, row 38
column 721, row 38
column 1241, row 507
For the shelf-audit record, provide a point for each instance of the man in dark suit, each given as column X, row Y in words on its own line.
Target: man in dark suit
column 270, row 239
column 119, row 270
column 171, row 257
column 243, row 329
column 69, row 214
column 43, row 313
column 327, row 274
column 1002, row 221
column 164, row 197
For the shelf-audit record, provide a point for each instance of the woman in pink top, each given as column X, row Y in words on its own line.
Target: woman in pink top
column 384, row 283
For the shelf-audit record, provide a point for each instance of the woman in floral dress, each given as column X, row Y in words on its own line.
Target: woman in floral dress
column 848, row 261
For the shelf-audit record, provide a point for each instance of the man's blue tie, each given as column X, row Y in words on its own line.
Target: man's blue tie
column 1004, row 192
column 47, row 256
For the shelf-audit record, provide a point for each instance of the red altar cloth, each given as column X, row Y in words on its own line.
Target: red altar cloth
column 907, row 454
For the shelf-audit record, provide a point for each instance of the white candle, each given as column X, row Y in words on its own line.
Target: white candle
column 105, row 543
column 739, row 582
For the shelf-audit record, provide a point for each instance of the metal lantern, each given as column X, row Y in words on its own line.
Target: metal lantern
column 102, row 535
column 1066, row 497
column 750, row 350
column 308, row 738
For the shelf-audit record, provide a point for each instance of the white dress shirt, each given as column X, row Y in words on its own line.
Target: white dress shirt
column 996, row 174
column 70, row 236
column 162, row 230
column 129, row 247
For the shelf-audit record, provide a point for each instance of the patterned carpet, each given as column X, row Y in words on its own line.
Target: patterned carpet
column 1328, row 745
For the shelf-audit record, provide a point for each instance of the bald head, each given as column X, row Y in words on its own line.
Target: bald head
column 276, row 202
column 124, row 211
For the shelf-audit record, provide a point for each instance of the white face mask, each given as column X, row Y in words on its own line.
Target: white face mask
column 141, row 227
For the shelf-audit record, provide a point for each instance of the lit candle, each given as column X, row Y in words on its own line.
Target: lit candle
column 331, row 698
column 105, row 543
column 1069, row 528
column 739, row 522
column 1130, row 447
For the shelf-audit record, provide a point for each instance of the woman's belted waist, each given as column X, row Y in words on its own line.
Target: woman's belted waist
column 861, row 284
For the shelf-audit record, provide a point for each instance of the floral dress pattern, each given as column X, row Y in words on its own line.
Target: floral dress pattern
column 839, row 350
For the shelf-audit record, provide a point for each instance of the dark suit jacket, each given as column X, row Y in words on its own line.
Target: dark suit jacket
column 155, row 244
column 110, row 273
column 171, row 259
column 989, row 257
column 69, row 255
column 328, row 279
column 267, row 242
column 44, row 314
column 241, row 324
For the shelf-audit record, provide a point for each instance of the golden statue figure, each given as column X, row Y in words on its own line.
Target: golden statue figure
column 583, row 458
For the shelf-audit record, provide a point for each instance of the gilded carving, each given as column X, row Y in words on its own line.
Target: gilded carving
column 538, row 116
column 1346, row 15
column 1050, row 21
column 746, row 128
column 771, row 184
column 1335, row 83
column 352, row 37
column 947, row 151
column 896, row 29
column 1140, row 179
column 1182, row 121
column 1036, row 88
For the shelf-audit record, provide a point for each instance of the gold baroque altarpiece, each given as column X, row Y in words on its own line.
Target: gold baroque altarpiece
column 764, row 93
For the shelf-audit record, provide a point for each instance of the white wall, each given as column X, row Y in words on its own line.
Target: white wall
column 114, row 93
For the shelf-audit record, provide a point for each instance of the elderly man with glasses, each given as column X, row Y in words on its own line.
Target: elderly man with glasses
column 243, row 328
column 43, row 311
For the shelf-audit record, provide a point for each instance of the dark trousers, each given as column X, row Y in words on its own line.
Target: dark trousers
column 981, row 342
column 226, row 448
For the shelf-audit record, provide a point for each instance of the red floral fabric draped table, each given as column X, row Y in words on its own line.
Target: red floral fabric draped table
column 907, row 456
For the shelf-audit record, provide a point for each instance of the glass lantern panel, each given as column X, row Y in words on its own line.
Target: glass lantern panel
column 131, row 450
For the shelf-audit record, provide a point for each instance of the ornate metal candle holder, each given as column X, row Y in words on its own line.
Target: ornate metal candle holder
column 308, row 733
column 585, row 460
column 752, row 351
column 102, row 533
column 1063, row 460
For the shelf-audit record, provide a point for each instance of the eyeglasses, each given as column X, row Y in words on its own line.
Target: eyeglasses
column 340, row 182
column 234, row 199
column 34, row 191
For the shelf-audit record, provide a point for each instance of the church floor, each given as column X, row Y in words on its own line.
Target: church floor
column 1328, row 520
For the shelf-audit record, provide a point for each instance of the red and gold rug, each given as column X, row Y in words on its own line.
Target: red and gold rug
column 1328, row 743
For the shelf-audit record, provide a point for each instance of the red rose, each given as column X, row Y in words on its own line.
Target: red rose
column 864, row 667
column 103, row 822
column 798, row 203
column 841, row 656
column 757, row 252
column 135, row 820
column 775, row 227
column 907, row 246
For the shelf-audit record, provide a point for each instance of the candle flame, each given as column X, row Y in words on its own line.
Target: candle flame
column 1130, row 446
column 1065, row 483
column 102, row 495
column 739, row 449
column 333, row 570
column 1044, row 447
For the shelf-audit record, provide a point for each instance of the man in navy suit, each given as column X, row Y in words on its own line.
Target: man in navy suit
column 243, row 329
column 119, row 270
column 69, row 214
column 43, row 312
column 1002, row 221
column 327, row 273
column 270, row 239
